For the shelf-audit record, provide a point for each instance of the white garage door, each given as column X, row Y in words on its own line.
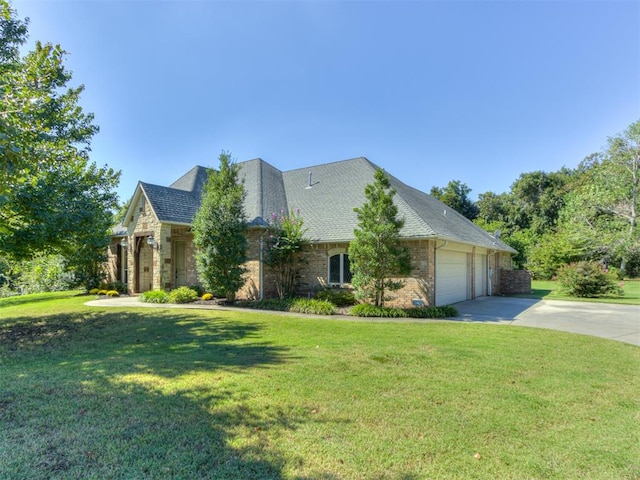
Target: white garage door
column 452, row 277
column 481, row 275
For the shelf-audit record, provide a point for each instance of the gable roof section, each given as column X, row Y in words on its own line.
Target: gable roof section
column 171, row 205
column 193, row 181
column 264, row 189
column 326, row 204
column 326, row 201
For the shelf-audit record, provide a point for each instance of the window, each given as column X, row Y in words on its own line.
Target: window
column 339, row 269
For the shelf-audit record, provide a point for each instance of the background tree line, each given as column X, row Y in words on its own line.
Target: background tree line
column 554, row 218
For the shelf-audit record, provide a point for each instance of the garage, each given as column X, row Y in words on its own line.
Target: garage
column 452, row 276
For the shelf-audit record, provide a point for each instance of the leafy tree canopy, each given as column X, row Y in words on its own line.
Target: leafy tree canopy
column 456, row 196
column 604, row 208
column 52, row 198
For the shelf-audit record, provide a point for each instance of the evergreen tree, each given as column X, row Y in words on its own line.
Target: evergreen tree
column 219, row 231
column 376, row 254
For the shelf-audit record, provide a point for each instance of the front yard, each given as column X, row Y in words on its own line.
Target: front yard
column 158, row 393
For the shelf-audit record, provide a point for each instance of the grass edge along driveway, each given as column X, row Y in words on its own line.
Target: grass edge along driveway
column 157, row 393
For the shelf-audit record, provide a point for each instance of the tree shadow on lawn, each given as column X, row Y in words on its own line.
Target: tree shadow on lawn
column 128, row 395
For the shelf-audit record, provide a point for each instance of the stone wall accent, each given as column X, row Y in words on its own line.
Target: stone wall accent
column 515, row 281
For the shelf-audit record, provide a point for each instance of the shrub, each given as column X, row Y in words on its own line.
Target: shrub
column 297, row 305
column 94, row 291
column 102, row 292
column 368, row 310
column 587, row 279
column 432, row 312
column 281, row 305
column 207, row 296
column 340, row 298
column 154, row 296
column 199, row 289
column 113, row 293
column 118, row 286
column 311, row 305
column 183, row 295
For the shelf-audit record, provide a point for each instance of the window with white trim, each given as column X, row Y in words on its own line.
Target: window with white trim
column 339, row 269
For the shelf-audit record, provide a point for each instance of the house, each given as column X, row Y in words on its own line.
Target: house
column 452, row 258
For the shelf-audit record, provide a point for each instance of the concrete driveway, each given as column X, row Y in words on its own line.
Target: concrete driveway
column 615, row 322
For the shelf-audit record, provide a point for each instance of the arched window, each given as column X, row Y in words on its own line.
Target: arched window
column 339, row 269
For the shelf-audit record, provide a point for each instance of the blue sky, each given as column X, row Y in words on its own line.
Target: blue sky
column 431, row 91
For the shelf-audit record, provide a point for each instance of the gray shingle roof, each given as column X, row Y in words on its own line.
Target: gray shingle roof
column 193, row 181
column 265, row 191
column 325, row 195
column 171, row 205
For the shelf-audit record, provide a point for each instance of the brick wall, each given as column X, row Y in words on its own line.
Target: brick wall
column 157, row 270
column 515, row 281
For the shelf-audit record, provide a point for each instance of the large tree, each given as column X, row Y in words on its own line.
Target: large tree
column 375, row 254
column 52, row 198
column 604, row 209
column 219, row 231
column 456, row 196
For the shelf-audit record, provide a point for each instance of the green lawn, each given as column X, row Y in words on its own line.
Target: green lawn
column 550, row 290
column 169, row 393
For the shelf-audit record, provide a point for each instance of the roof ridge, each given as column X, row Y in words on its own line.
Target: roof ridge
column 330, row 163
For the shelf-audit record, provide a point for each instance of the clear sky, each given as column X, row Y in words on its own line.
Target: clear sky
column 432, row 91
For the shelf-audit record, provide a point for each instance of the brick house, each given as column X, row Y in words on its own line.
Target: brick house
column 452, row 258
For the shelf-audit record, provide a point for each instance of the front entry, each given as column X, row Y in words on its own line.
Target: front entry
column 144, row 265
column 179, row 264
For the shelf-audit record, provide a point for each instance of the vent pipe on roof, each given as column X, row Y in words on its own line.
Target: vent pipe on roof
column 309, row 184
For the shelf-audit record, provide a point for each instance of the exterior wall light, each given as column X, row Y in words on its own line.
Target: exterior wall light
column 152, row 242
column 123, row 242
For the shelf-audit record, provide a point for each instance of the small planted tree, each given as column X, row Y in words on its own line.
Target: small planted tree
column 285, row 251
column 219, row 231
column 376, row 254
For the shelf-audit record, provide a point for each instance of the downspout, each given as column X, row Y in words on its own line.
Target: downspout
column 490, row 273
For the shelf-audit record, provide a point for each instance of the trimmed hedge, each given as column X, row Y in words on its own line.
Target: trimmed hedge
column 297, row 305
column 367, row 310
column 446, row 311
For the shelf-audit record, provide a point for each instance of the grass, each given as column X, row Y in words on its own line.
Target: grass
column 550, row 290
column 118, row 393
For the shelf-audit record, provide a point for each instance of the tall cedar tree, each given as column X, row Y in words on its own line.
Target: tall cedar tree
column 376, row 254
column 219, row 231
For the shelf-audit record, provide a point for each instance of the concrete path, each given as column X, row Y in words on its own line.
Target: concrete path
column 606, row 320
